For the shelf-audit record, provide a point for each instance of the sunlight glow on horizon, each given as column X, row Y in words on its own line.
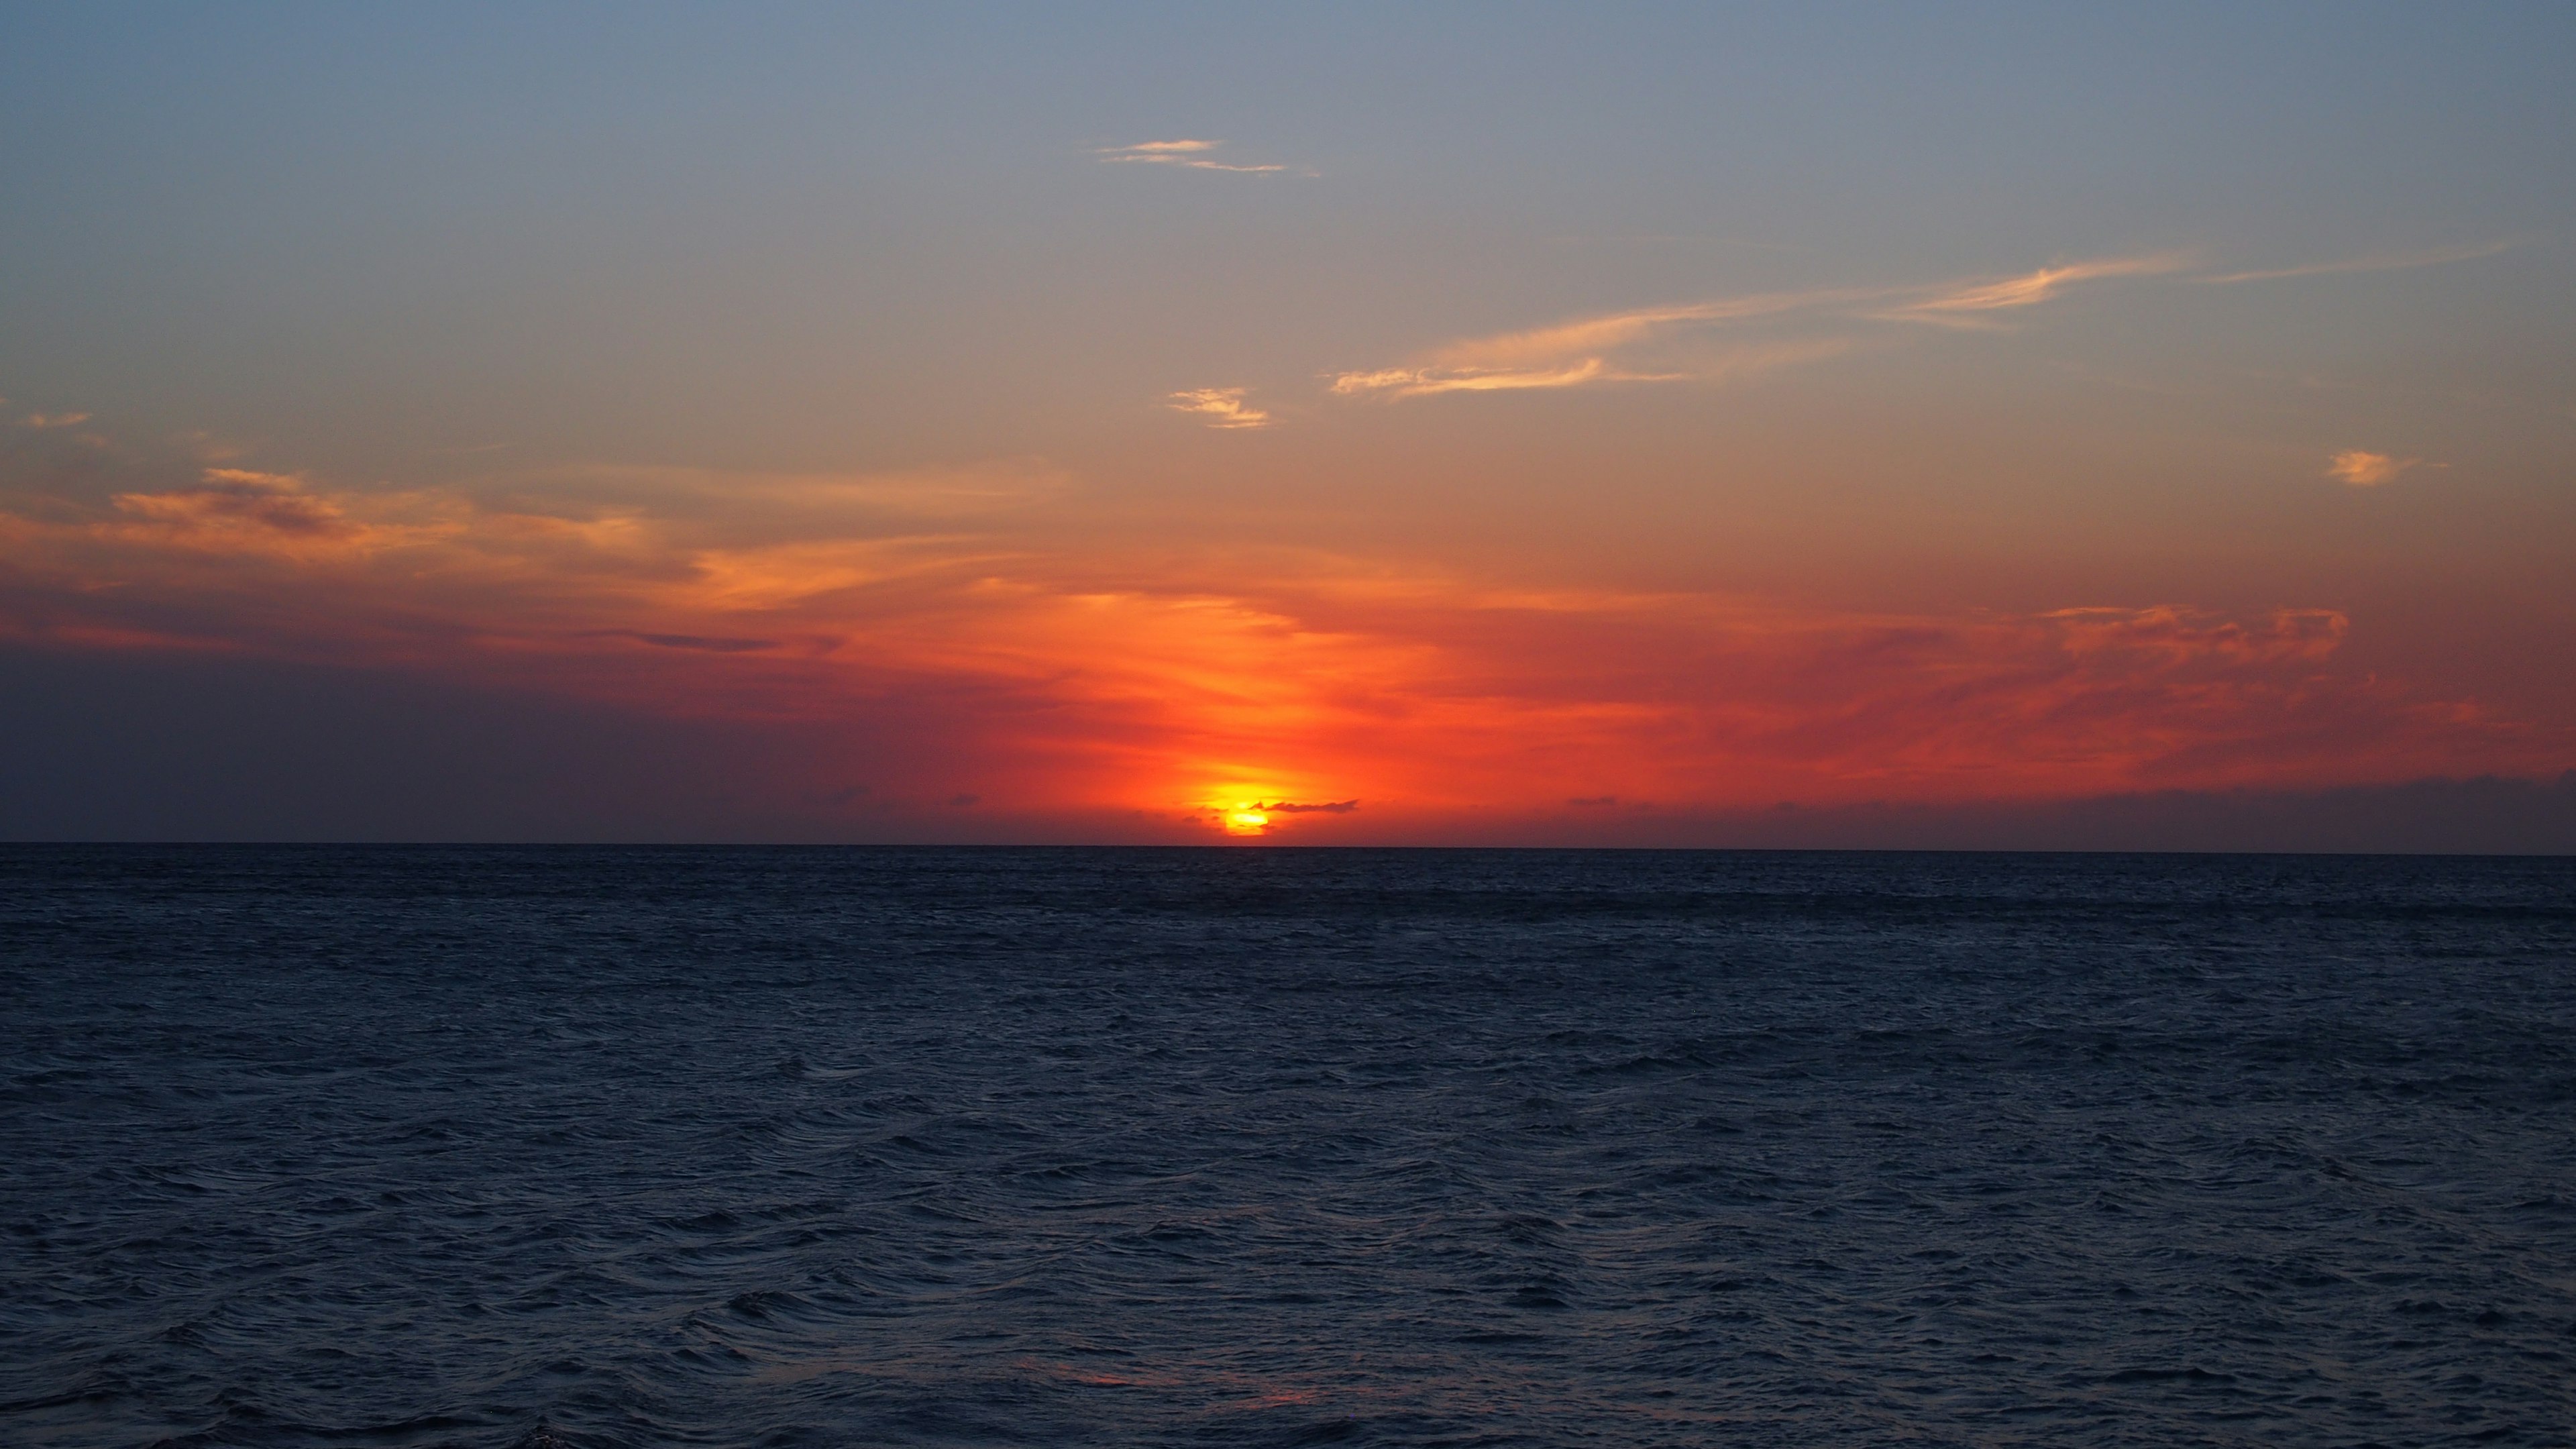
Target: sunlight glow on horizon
column 1153, row 448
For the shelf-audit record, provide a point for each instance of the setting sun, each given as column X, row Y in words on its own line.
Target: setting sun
column 1836, row 624
column 1079, row 466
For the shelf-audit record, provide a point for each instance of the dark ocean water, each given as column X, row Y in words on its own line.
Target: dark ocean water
column 790, row 1147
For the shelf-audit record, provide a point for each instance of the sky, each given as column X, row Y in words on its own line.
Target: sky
column 1692, row 425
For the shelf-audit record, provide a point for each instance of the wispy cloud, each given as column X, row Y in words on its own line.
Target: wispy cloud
column 53, row 420
column 1723, row 365
column 1192, row 154
column 2366, row 470
column 238, row 501
column 1424, row 381
column 2383, row 262
column 1964, row 304
column 1608, row 348
column 1056, row 676
column 1222, row 407
column 1594, row 335
column 1634, row 344
column 1571, row 354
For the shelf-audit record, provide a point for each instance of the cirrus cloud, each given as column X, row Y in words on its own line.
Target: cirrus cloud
column 1650, row 344
column 2381, row 262
column 1191, row 154
column 1647, row 344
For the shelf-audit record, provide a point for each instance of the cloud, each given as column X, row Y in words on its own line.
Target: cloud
column 2168, row 636
column 2366, row 470
column 1192, row 154
column 701, row 642
column 725, row 507
column 1048, row 673
column 1223, row 407
column 238, row 501
column 2385, row 262
column 1592, row 335
column 1960, row 305
column 1721, row 366
column 52, row 420
column 1571, row 354
column 1424, row 381
column 1614, row 346
column 1649, row 344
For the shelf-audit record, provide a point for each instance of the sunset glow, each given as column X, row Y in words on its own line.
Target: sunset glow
column 1169, row 463
column 1643, row 724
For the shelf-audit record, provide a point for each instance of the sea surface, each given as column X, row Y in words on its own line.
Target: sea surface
column 387, row 1147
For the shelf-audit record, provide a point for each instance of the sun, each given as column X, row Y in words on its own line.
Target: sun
column 1248, row 807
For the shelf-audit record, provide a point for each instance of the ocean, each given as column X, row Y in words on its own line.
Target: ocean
column 321, row 1146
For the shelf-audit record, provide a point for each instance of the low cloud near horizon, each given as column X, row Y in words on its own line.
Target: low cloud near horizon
column 1535, row 430
column 917, row 611
column 160, row 747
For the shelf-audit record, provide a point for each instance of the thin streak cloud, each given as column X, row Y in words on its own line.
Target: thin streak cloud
column 1188, row 153
column 2386, row 262
column 1424, row 381
column 1596, row 334
column 1587, row 350
column 1958, row 305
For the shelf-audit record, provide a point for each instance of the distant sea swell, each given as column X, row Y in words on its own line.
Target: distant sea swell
column 311, row 1146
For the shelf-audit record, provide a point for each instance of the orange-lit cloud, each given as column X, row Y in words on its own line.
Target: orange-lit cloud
column 1222, row 407
column 1270, row 681
column 1570, row 354
column 52, row 420
column 1640, row 345
column 2366, row 470
column 1424, row 381
column 237, row 499
column 1965, row 305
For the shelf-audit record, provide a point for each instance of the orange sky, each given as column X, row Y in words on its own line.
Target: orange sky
column 1193, row 685
column 1122, row 435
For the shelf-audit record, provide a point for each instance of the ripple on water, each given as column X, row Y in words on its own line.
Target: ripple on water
column 579, row 1148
